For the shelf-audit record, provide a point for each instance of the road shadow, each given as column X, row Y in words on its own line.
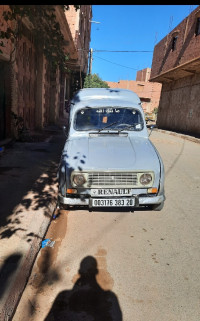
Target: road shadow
column 108, row 209
column 46, row 275
column 86, row 300
column 27, row 174
column 176, row 159
column 8, row 268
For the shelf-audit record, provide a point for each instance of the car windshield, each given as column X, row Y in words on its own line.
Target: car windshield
column 108, row 118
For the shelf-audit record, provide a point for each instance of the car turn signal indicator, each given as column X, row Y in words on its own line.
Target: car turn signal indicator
column 71, row 191
column 152, row 190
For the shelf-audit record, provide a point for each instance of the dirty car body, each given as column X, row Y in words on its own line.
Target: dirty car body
column 108, row 160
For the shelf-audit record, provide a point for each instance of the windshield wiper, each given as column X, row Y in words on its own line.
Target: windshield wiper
column 127, row 127
column 116, row 122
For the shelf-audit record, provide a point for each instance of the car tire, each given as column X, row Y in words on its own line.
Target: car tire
column 64, row 207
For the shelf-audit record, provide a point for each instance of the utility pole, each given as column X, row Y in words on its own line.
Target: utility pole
column 91, row 51
column 90, row 61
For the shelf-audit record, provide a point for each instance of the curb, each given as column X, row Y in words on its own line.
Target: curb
column 30, row 250
column 187, row 137
column 22, row 277
column 4, row 143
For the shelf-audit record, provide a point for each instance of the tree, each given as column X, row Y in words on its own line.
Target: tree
column 94, row 81
column 155, row 111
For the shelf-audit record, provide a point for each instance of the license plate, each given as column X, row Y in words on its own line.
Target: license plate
column 111, row 192
column 112, row 202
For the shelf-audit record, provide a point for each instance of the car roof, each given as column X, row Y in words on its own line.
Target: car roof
column 88, row 94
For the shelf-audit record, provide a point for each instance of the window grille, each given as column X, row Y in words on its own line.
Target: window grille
column 174, row 41
column 197, row 30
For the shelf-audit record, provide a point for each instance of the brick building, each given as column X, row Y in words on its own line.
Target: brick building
column 28, row 87
column 143, row 75
column 176, row 65
column 149, row 92
column 80, row 26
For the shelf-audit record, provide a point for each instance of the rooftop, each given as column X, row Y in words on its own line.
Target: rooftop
column 106, row 93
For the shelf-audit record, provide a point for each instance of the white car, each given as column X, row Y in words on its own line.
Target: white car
column 108, row 160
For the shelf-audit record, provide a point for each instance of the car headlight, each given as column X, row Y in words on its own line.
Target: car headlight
column 79, row 179
column 145, row 179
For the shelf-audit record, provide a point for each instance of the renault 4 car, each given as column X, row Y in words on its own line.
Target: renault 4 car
column 108, row 160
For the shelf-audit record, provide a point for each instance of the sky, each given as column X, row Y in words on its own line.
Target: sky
column 130, row 28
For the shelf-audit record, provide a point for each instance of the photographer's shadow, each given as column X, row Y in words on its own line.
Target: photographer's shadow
column 87, row 300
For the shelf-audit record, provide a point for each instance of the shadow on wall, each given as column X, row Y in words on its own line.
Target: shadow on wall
column 185, row 44
column 86, row 300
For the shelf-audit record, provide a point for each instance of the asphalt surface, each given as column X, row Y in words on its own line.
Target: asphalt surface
column 28, row 192
column 118, row 265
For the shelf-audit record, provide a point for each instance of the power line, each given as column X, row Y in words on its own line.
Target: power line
column 115, row 63
column 102, row 50
column 94, row 50
column 170, row 23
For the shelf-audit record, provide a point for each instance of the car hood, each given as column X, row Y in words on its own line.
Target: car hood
column 106, row 152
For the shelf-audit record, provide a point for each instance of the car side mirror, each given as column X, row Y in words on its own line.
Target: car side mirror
column 151, row 128
column 65, row 130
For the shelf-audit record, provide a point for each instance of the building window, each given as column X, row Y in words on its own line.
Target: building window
column 197, row 31
column 174, row 41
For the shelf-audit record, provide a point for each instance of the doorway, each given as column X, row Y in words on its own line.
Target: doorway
column 5, row 94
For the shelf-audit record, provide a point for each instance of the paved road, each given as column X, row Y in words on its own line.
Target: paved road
column 28, row 187
column 148, row 263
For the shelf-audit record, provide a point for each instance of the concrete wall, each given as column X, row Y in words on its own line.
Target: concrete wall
column 178, row 71
column 25, row 70
column 187, row 46
column 179, row 108
column 7, row 43
column 80, row 26
column 143, row 75
column 29, row 88
column 33, row 92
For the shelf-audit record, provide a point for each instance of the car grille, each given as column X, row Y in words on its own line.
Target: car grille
column 112, row 179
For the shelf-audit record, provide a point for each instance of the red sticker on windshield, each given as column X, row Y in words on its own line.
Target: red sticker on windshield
column 105, row 119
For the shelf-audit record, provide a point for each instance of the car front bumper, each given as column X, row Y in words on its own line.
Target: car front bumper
column 139, row 201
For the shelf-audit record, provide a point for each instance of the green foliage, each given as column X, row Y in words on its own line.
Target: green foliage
column 94, row 81
column 155, row 110
column 45, row 28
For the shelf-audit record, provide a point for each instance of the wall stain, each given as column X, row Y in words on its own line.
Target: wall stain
column 46, row 274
